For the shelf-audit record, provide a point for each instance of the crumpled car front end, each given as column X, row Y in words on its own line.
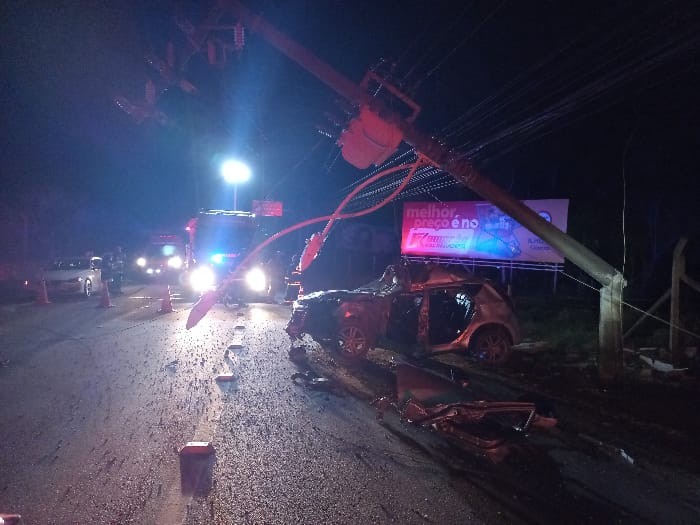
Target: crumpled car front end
column 317, row 313
column 295, row 325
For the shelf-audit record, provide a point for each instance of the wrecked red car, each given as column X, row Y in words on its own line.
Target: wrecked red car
column 424, row 307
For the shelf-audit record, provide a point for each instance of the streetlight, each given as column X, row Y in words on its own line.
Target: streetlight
column 234, row 172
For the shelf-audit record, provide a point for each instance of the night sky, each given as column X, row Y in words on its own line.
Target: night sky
column 592, row 101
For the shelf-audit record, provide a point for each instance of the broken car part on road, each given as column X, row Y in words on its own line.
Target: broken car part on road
column 314, row 382
column 429, row 400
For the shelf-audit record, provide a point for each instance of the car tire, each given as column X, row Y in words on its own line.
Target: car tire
column 87, row 288
column 491, row 345
column 352, row 340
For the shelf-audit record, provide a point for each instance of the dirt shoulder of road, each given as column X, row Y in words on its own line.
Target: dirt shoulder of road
column 652, row 415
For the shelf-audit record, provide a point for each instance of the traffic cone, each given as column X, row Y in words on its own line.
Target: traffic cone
column 42, row 297
column 105, row 301
column 9, row 519
column 197, row 448
column 166, row 304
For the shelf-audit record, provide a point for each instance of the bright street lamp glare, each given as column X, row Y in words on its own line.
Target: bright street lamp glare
column 234, row 171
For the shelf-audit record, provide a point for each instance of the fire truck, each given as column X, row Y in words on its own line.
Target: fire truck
column 218, row 241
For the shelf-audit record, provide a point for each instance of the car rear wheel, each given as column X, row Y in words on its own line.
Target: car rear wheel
column 352, row 341
column 87, row 289
column 491, row 345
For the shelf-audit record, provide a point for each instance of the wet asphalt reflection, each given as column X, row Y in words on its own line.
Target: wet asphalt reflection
column 97, row 402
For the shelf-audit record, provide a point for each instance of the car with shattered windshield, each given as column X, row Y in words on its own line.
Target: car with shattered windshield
column 426, row 308
column 73, row 275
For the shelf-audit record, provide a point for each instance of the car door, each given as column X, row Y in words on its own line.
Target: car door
column 449, row 313
column 402, row 326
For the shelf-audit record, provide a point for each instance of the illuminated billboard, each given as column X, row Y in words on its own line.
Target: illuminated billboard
column 478, row 230
column 267, row 208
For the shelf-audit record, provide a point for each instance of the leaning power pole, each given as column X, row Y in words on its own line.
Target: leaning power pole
column 611, row 280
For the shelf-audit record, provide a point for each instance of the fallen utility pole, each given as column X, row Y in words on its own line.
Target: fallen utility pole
column 612, row 281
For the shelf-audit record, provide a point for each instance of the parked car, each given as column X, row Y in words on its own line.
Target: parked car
column 427, row 307
column 78, row 275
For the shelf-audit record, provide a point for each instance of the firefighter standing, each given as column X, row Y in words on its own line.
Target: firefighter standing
column 106, row 270
column 118, row 263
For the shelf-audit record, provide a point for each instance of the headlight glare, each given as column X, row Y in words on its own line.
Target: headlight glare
column 141, row 262
column 202, row 279
column 175, row 262
column 256, row 280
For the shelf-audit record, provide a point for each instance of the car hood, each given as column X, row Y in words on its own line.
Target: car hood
column 334, row 295
column 64, row 275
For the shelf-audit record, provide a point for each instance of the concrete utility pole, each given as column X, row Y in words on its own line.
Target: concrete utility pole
column 612, row 281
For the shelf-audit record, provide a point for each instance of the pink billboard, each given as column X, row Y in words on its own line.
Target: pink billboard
column 478, row 230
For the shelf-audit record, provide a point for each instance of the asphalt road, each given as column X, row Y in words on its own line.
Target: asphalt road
column 95, row 402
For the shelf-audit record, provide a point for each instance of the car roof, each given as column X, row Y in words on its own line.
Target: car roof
column 431, row 275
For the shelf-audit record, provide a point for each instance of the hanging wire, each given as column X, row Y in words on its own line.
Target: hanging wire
column 545, row 71
column 293, row 169
column 551, row 105
column 381, row 188
column 534, row 127
column 533, row 134
column 632, row 67
column 635, row 308
column 419, row 38
column 435, row 41
column 394, row 159
column 329, row 165
column 463, row 41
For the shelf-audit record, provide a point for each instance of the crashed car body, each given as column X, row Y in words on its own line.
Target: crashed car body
column 78, row 275
column 429, row 307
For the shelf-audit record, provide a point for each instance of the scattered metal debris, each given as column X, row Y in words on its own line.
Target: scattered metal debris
column 629, row 459
column 429, row 400
column 533, row 347
column 660, row 366
column 611, row 451
column 172, row 365
column 545, row 413
column 310, row 380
